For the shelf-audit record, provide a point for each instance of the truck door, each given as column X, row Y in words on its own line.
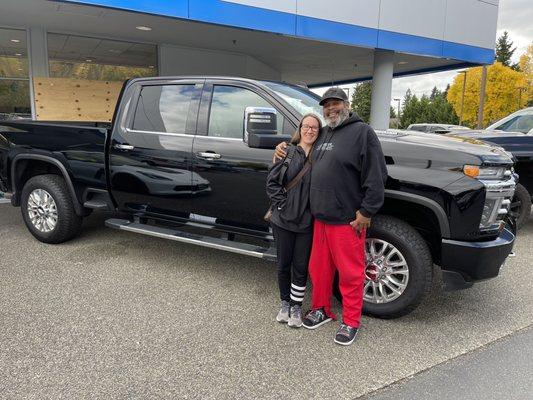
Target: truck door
column 150, row 154
column 235, row 173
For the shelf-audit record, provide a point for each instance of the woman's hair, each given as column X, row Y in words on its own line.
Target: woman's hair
column 297, row 135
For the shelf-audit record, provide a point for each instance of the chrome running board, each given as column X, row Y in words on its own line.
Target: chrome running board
column 191, row 238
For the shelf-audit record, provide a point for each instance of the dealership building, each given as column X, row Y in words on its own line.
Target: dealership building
column 312, row 42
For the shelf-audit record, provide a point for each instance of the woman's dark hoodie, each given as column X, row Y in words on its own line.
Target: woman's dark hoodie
column 348, row 174
column 290, row 209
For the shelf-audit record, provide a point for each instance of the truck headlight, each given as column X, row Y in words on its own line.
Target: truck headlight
column 486, row 173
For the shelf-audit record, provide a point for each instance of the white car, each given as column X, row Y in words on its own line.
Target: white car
column 435, row 128
column 520, row 121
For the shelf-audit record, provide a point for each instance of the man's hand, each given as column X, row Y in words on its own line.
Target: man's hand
column 280, row 152
column 360, row 223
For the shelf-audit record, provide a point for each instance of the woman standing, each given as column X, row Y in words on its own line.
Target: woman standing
column 288, row 187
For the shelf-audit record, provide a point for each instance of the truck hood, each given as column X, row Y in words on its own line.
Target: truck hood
column 448, row 151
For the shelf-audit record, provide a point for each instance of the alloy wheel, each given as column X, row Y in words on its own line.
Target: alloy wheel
column 386, row 272
column 42, row 210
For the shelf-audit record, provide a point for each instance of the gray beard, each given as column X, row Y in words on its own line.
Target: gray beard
column 343, row 116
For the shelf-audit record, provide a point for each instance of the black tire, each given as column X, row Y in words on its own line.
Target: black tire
column 418, row 257
column 520, row 206
column 68, row 222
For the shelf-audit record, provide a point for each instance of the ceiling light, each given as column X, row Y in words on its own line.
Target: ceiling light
column 15, row 40
column 151, row 66
column 18, row 54
column 143, row 28
column 403, row 63
column 89, row 60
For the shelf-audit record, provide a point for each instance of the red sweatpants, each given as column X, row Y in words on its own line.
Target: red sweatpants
column 338, row 247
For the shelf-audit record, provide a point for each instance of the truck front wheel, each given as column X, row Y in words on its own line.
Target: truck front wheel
column 399, row 268
column 520, row 206
column 48, row 211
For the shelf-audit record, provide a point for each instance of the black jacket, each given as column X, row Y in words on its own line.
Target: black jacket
column 348, row 173
column 290, row 209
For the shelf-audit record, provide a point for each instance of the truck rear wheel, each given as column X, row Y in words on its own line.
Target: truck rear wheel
column 48, row 211
column 521, row 206
column 399, row 269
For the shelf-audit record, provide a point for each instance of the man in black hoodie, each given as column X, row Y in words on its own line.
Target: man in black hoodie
column 347, row 188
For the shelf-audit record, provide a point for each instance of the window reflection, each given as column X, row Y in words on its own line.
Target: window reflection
column 14, row 81
column 99, row 59
column 227, row 111
column 163, row 108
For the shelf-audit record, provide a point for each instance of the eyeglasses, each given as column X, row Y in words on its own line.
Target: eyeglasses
column 306, row 127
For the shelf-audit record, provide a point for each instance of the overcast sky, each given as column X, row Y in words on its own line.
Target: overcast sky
column 514, row 16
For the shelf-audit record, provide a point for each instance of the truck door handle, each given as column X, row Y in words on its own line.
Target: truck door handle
column 208, row 155
column 123, row 147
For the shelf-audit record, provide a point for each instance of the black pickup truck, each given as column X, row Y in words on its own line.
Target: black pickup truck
column 520, row 145
column 186, row 159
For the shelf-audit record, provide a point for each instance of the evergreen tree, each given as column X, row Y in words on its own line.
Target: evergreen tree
column 434, row 93
column 505, row 51
column 361, row 100
column 432, row 109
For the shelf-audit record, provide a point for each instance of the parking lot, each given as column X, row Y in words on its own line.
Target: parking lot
column 118, row 315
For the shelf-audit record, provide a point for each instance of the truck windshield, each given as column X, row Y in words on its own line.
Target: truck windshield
column 300, row 99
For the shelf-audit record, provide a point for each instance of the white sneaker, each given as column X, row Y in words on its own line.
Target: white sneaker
column 295, row 320
column 283, row 314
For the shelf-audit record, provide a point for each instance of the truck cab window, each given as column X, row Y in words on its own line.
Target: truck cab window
column 226, row 117
column 163, row 108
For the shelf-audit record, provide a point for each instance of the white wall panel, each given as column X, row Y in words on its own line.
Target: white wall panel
column 288, row 6
column 471, row 22
column 355, row 12
column 259, row 70
column 176, row 60
column 415, row 17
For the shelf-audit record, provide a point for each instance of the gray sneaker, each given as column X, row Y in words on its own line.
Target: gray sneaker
column 283, row 314
column 295, row 321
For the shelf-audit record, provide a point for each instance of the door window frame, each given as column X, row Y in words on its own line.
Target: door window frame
column 204, row 113
column 190, row 125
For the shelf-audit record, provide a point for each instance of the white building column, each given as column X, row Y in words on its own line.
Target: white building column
column 38, row 52
column 37, row 59
column 381, row 89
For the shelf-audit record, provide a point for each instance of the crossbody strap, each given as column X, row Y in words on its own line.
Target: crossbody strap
column 294, row 181
column 286, row 162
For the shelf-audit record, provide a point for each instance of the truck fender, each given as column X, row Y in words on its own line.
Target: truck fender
column 424, row 201
column 16, row 195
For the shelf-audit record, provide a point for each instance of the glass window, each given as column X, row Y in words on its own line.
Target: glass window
column 99, row 59
column 419, row 128
column 301, row 99
column 163, row 108
column 14, row 99
column 522, row 123
column 14, row 80
column 505, row 126
column 227, row 111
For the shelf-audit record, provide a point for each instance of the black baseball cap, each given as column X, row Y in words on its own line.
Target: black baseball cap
column 333, row 93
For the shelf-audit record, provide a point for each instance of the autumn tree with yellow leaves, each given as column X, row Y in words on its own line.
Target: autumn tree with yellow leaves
column 526, row 66
column 507, row 91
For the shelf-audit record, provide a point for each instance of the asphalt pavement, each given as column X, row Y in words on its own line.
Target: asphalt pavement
column 118, row 315
column 501, row 370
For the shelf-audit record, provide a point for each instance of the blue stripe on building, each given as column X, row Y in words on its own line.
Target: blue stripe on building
column 248, row 17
